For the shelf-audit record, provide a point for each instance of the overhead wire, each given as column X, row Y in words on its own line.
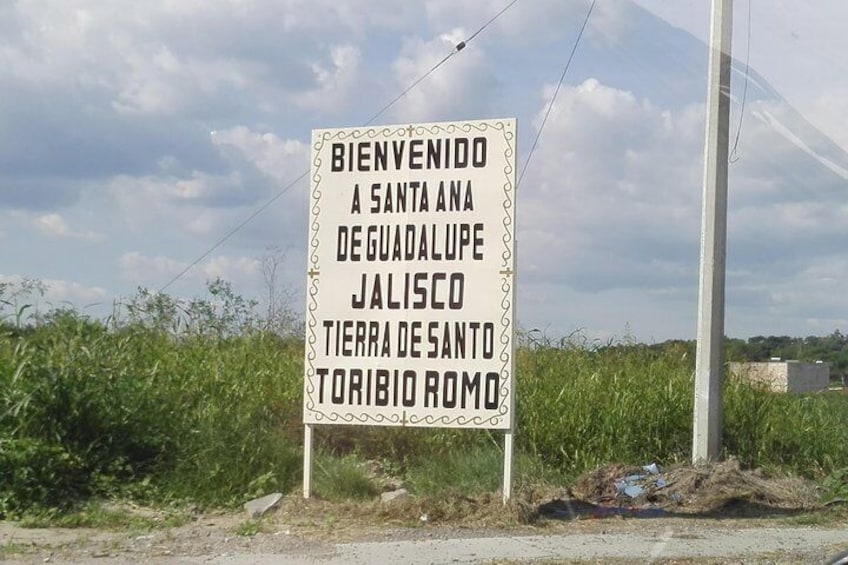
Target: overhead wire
column 233, row 231
column 457, row 48
column 556, row 93
column 444, row 60
column 734, row 156
column 492, row 19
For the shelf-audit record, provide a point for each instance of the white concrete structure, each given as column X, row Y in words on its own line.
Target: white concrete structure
column 786, row 376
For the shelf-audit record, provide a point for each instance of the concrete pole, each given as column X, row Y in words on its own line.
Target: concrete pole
column 709, row 359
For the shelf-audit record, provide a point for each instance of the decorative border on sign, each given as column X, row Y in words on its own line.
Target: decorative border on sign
column 507, row 271
column 501, row 420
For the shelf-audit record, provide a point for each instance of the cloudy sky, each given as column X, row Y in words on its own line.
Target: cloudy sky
column 135, row 135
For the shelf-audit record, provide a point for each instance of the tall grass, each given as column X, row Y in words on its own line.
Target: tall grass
column 161, row 408
column 209, row 418
column 579, row 407
column 233, row 409
column 808, row 434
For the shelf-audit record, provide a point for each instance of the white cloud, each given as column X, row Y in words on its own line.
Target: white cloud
column 611, row 211
column 803, row 300
column 614, row 178
column 73, row 292
column 141, row 269
column 144, row 270
column 335, row 84
column 58, row 292
column 465, row 87
column 691, row 15
column 161, row 82
column 775, row 124
column 528, row 23
column 830, row 102
column 198, row 202
column 231, row 268
column 283, row 159
column 797, row 46
column 108, row 109
column 52, row 224
column 611, row 21
column 55, row 226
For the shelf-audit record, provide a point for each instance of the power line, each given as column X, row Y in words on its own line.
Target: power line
column 733, row 154
column 556, row 92
column 492, row 19
column 233, row 231
column 457, row 48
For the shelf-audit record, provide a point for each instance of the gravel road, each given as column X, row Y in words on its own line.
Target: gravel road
column 620, row 542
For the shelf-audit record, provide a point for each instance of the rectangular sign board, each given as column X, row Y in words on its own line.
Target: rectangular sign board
column 411, row 275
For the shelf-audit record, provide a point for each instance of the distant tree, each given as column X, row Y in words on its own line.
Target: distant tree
column 279, row 314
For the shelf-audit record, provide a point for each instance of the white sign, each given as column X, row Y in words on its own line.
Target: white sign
column 411, row 266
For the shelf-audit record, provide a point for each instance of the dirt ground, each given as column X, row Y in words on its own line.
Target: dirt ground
column 686, row 501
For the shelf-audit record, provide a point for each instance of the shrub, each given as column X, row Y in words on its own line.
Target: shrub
column 166, row 405
column 39, row 474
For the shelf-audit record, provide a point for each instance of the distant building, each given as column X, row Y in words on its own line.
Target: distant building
column 786, row 376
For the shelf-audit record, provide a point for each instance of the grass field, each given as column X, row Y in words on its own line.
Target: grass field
column 176, row 402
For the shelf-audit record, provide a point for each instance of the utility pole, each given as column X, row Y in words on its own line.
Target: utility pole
column 709, row 358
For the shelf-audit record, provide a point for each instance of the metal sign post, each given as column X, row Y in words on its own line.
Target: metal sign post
column 307, row 460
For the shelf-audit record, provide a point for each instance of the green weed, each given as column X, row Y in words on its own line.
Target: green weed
column 249, row 528
column 343, row 478
column 12, row 549
column 579, row 408
column 465, row 472
column 835, row 486
column 131, row 409
column 808, row 434
column 171, row 400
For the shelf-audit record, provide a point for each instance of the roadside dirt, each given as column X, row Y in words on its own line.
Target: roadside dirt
column 686, row 502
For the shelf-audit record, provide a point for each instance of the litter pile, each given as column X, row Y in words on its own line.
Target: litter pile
column 644, row 484
column 649, row 491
